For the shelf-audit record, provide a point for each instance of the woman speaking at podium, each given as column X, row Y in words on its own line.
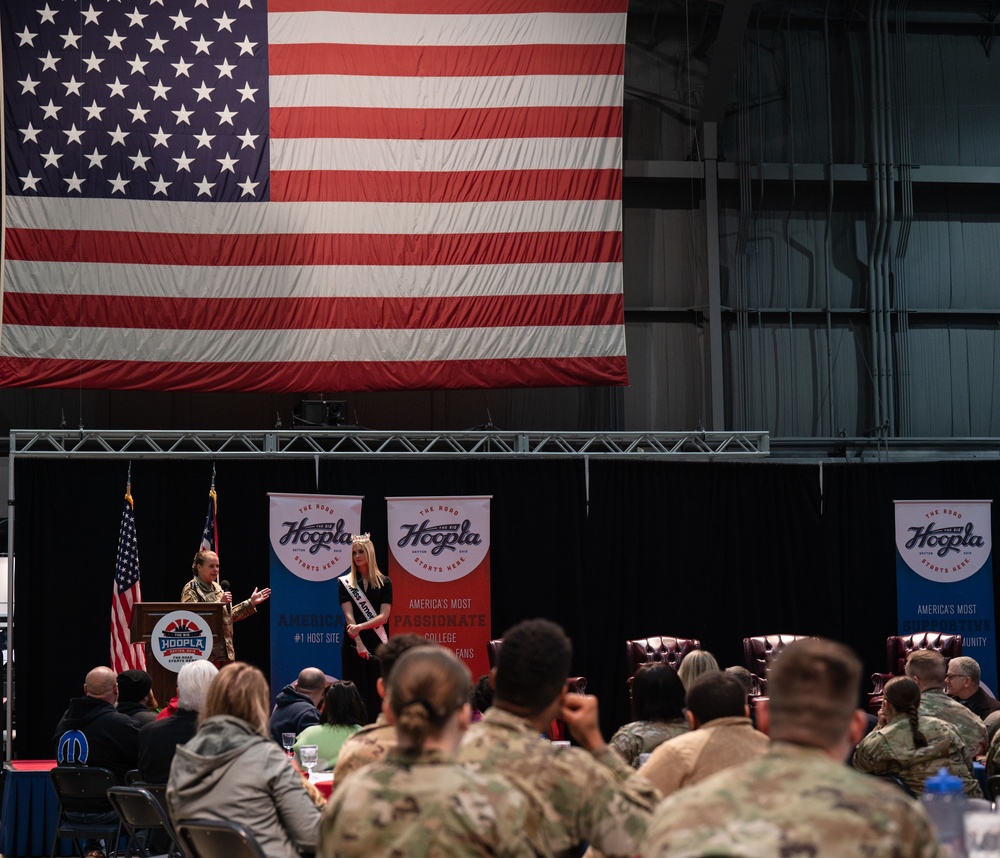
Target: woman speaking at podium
column 204, row 587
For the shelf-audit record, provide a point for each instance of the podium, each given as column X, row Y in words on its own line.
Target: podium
column 145, row 616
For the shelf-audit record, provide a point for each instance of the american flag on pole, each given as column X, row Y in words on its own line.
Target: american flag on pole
column 124, row 654
column 210, row 532
column 294, row 195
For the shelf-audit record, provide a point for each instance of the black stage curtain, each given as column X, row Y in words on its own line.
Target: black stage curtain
column 67, row 518
column 716, row 551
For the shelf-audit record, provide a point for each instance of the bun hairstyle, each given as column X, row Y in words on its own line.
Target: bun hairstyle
column 903, row 694
column 428, row 685
column 199, row 558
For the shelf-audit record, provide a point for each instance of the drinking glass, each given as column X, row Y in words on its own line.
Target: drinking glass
column 309, row 754
column 287, row 740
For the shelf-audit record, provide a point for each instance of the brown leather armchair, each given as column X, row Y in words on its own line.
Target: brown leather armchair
column 898, row 648
column 663, row 649
column 759, row 652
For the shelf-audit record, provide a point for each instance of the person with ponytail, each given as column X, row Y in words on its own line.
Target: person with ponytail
column 912, row 747
column 419, row 801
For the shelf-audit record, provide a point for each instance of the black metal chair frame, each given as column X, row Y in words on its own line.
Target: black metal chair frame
column 213, row 838
column 142, row 815
column 84, row 789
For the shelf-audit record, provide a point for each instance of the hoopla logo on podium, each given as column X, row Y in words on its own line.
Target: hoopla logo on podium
column 944, row 541
column 179, row 638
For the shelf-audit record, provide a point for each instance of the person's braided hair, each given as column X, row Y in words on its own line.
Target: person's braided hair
column 903, row 694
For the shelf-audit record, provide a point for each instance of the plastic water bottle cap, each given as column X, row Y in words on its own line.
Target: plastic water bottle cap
column 943, row 783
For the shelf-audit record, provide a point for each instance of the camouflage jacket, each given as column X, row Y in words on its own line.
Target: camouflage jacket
column 970, row 726
column 423, row 804
column 642, row 737
column 197, row 590
column 794, row 800
column 370, row 744
column 890, row 751
column 574, row 797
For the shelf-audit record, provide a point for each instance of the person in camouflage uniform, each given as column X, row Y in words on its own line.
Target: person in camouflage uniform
column 911, row 745
column 799, row 798
column 657, row 696
column 373, row 741
column 928, row 669
column 419, row 801
column 575, row 795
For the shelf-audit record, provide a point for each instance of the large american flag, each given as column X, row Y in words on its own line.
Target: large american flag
column 301, row 195
column 124, row 654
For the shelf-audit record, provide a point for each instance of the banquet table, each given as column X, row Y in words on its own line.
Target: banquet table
column 30, row 810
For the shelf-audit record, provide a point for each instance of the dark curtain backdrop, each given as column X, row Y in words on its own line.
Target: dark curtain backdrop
column 67, row 518
column 716, row 551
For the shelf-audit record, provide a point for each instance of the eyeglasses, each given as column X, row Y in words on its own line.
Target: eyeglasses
column 948, row 676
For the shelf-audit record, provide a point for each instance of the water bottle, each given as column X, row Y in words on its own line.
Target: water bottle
column 944, row 801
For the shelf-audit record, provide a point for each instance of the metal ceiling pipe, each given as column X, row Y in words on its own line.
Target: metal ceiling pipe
column 875, row 230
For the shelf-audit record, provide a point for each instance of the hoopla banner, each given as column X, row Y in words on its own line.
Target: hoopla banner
column 439, row 563
column 310, row 547
column 944, row 575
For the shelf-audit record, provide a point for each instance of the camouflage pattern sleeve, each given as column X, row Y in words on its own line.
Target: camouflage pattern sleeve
column 573, row 798
column 432, row 808
column 368, row 745
column 792, row 801
column 993, row 756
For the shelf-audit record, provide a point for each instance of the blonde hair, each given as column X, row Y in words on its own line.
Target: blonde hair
column 426, row 687
column 375, row 577
column 695, row 663
column 240, row 690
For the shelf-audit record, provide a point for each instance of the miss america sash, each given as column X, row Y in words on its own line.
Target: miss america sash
column 361, row 600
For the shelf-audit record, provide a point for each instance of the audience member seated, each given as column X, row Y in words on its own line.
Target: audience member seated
column 695, row 663
column 231, row 770
column 576, row 795
column 722, row 735
column 135, row 696
column 92, row 732
column 159, row 740
column 962, row 683
column 657, row 695
column 297, row 705
column 373, row 741
column 418, row 800
column 799, row 798
column 745, row 678
column 342, row 716
column 482, row 697
column 913, row 746
column 928, row 669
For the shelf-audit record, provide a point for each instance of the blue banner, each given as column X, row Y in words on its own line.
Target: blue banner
column 944, row 575
column 310, row 539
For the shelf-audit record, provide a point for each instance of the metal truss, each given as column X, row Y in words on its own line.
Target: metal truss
column 362, row 443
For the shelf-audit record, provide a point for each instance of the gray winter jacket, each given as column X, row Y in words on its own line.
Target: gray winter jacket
column 228, row 771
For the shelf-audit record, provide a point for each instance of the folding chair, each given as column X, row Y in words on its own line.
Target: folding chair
column 143, row 817
column 84, row 790
column 210, row 838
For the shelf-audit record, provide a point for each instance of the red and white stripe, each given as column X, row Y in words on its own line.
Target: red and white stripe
column 445, row 212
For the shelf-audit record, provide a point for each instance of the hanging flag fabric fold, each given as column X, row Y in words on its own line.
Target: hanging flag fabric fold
column 210, row 532
column 126, row 593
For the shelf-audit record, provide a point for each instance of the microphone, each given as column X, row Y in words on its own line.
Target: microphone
column 226, row 586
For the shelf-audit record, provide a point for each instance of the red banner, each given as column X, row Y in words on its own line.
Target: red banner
column 439, row 562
